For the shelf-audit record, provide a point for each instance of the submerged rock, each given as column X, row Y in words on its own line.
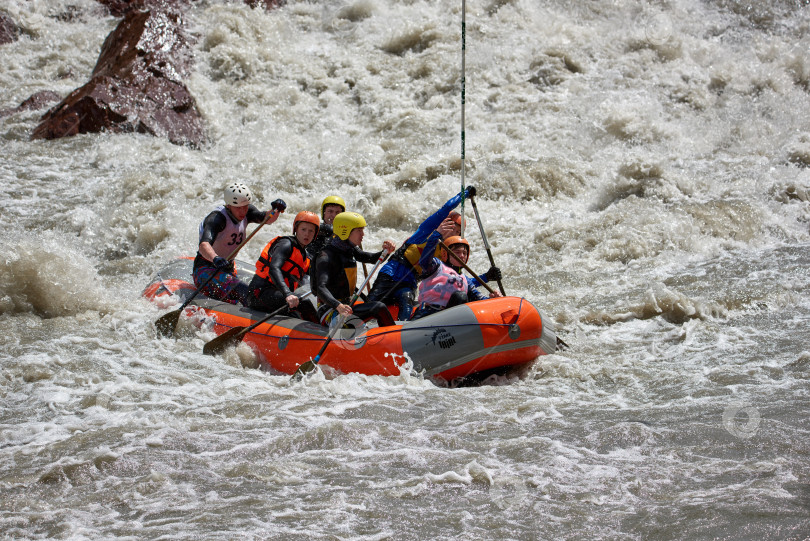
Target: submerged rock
column 266, row 4
column 9, row 31
column 119, row 8
column 38, row 100
column 136, row 85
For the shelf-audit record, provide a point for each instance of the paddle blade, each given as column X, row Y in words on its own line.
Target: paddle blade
column 303, row 370
column 224, row 341
column 166, row 323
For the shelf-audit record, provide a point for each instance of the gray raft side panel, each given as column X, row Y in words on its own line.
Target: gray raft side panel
column 435, row 342
column 454, row 338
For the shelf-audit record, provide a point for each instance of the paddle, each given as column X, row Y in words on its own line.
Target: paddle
column 486, row 242
column 166, row 323
column 235, row 335
column 463, row 264
column 309, row 366
column 365, row 273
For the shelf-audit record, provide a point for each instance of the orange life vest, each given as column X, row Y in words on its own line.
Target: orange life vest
column 293, row 268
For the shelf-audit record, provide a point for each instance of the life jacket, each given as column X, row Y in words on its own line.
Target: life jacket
column 351, row 278
column 229, row 238
column 437, row 288
column 293, row 269
column 409, row 256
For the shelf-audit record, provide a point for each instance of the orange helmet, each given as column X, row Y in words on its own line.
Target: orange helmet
column 453, row 241
column 309, row 217
column 456, row 217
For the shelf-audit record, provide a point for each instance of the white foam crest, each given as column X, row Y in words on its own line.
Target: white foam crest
column 44, row 276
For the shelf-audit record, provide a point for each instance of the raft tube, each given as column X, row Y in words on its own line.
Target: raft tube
column 474, row 338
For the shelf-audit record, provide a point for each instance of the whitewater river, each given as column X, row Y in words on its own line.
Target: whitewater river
column 643, row 171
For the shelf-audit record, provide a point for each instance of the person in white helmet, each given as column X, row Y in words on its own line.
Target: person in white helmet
column 221, row 232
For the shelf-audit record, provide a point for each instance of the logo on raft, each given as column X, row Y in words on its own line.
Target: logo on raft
column 443, row 338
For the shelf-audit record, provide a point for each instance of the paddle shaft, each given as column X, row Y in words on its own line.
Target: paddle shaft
column 463, row 264
column 237, row 333
column 167, row 322
column 274, row 312
column 231, row 256
column 310, row 365
column 463, row 103
column 486, row 242
column 365, row 273
column 351, row 303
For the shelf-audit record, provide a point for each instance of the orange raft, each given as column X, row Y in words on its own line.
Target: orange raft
column 478, row 337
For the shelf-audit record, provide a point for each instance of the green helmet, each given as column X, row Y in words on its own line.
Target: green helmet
column 345, row 223
column 333, row 200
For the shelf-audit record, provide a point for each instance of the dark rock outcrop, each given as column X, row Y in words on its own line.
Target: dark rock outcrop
column 9, row 31
column 136, row 85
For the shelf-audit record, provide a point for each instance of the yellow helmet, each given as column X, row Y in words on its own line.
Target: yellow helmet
column 345, row 223
column 333, row 200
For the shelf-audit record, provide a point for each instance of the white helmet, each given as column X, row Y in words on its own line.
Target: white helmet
column 238, row 195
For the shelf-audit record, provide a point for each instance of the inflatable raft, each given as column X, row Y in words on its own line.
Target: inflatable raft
column 475, row 338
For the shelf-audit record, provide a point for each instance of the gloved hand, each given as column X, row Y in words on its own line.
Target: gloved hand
column 221, row 263
column 326, row 230
column 470, row 192
column 279, row 205
column 494, row 273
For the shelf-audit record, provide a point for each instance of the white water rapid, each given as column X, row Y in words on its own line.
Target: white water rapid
column 643, row 171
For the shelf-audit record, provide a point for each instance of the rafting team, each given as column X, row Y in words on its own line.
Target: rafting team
column 327, row 250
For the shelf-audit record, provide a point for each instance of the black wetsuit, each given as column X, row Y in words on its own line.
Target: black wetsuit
column 314, row 248
column 321, row 239
column 332, row 286
column 269, row 295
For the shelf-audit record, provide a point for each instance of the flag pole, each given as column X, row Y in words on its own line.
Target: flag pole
column 463, row 100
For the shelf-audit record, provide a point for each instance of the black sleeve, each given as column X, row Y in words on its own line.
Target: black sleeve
column 366, row 257
column 213, row 225
column 430, row 267
column 473, row 294
column 322, row 271
column 254, row 215
column 280, row 253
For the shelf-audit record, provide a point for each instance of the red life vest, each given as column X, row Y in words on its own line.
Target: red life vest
column 293, row 268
